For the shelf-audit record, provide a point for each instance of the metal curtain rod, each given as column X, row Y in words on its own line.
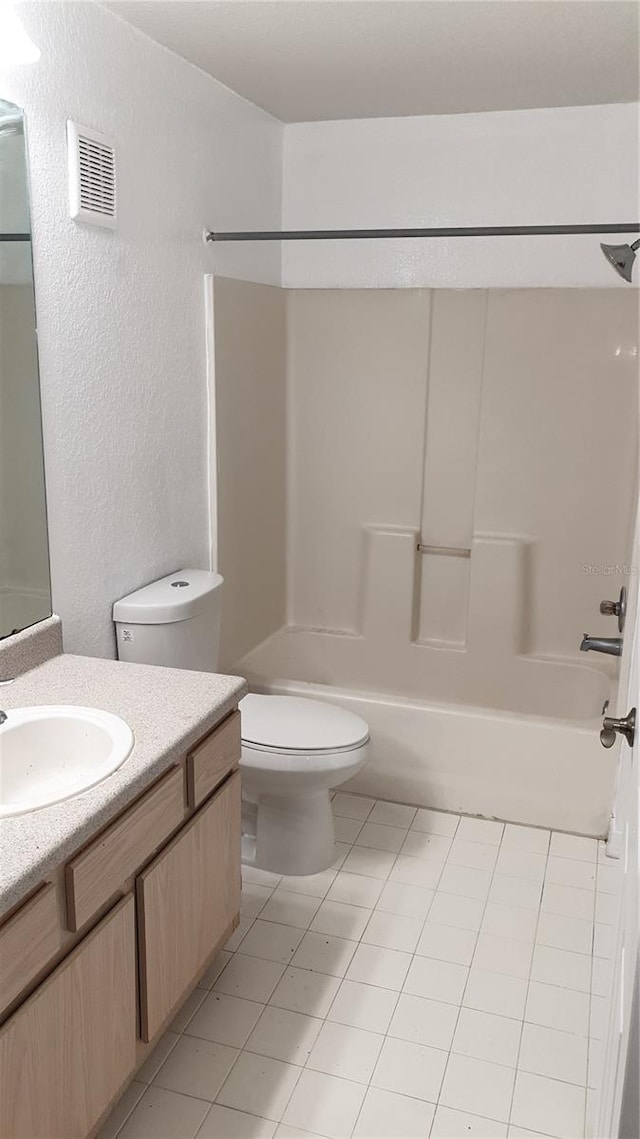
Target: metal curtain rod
column 442, row 231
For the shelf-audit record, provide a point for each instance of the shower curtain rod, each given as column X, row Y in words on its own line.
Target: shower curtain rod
column 442, row 231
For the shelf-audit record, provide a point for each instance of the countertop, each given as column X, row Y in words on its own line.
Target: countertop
column 167, row 709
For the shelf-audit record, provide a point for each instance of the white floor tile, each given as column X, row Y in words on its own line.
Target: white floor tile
column 450, row 1124
column 224, row 1019
column 424, row 1021
column 509, row 890
column 290, row 909
column 371, row 863
column 189, row 1009
column 352, row 806
column 485, row 1036
column 121, row 1112
column 355, row 890
column 239, row 933
column 555, row 1007
column 416, row 872
column 253, row 899
column 304, row 991
column 391, row 931
column 341, row 920
column 208, row 979
column 341, row 850
column 595, row 1063
column 324, row 953
column 451, row 909
column 478, row 1087
column 521, row 1133
column 435, row 822
column 347, row 830
column 196, row 1067
column 609, row 877
column 503, row 955
column 156, row 1059
column 260, row 877
column 607, row 908
column 249, row 977
column 464, row 882
column 283, row 1131
column 604, row 940
column 271, row 941
column 495, row 992
column 475, row 855
column 601, row 974
column 372, row 965
column 259, row 1085
column 437, row 980
column 387, row 1115
column 568, row 901
column 284, row 1035
column 561, row 932
column 226, row 1123
column 598, row 1017
column 406, row 901
column 549, row 1106
column 518, row 863
column 325, row 1105
column 481, row 830
column 533, row 839
column 560, row 967
column 163, row 1113
column 347, row 1052
column 571, row 872
column 392, row 814
column 381, row 837
column 548, row 1052
column 421, row 844
column 314, row 885
column 410, row 1069
column 363, row 1006
column 447, row 943
column 574, row 846
column 510, row 921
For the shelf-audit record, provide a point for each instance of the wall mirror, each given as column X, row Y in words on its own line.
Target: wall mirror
column 25, row 595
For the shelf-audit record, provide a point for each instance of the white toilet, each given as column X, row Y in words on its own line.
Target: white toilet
column 293, row 750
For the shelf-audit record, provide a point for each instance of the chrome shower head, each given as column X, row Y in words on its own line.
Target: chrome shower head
column 621, row 257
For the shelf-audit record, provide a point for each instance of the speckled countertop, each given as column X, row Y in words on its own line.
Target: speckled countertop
column 167, row 709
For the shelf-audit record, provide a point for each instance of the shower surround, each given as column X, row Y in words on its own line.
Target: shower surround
column 442, row 486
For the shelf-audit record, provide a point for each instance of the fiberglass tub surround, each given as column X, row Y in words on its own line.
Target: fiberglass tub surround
column 441, row 530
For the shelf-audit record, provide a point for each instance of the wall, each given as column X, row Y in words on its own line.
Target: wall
column 121, row 315
column 251, row 416
column 570, row 165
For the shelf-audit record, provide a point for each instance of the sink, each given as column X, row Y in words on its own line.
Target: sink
column 54, row 752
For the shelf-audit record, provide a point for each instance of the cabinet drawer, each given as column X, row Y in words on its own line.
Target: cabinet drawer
column 67, row 1051
column 187, row 899
column 98, row 872
column 28, row 941
column 213, row 759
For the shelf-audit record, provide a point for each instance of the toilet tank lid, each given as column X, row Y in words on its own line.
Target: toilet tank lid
column 175, row 597
column 293, row 723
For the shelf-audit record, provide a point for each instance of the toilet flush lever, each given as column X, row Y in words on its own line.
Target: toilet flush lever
column 626, row 726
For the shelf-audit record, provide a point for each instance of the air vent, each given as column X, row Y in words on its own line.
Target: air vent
column 92, row 176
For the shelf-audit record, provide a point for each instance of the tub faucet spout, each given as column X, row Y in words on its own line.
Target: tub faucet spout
column 610, row 645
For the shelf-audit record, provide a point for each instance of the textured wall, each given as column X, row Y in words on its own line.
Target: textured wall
column 121, row 315
column 541, row 167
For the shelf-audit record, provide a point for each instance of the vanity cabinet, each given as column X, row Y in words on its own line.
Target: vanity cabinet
column 69, row 1048
column 99, row 959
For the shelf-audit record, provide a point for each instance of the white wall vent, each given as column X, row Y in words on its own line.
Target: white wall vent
column 92, row 176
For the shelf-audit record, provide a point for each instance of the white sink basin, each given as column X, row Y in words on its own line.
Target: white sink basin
column 54, row 752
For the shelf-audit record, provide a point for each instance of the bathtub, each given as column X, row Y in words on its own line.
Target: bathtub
column 515, row 764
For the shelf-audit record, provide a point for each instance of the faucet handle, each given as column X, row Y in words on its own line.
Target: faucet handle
column 616, row 608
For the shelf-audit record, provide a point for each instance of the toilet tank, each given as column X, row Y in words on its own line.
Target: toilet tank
column 173, row 622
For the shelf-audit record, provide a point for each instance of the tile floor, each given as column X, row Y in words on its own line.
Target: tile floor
column 446, row 978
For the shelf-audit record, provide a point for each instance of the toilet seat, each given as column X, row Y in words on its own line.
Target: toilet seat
column 293, row 725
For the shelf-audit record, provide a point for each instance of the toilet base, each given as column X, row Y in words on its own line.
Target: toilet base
column 289, row 834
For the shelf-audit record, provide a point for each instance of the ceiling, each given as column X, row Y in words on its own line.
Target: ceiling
column 307, row 60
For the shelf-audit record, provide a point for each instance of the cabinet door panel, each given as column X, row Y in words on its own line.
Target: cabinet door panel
column 187, row 898
column 69, row 1048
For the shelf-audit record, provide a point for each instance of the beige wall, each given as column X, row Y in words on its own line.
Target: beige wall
column 250, row 381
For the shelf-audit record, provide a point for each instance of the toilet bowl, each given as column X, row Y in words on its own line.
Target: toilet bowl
column 294, row 751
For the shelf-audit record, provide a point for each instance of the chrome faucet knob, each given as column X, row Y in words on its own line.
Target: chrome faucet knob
column 616, row 608
column 625, row 725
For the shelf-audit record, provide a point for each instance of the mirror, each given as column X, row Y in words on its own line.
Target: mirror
column 25, row 595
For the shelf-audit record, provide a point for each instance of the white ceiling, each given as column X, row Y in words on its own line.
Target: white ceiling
column 340, row 59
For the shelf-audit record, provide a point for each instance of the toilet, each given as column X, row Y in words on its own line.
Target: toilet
column 294, row 750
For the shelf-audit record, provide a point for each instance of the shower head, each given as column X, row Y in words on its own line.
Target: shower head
column 621, row 257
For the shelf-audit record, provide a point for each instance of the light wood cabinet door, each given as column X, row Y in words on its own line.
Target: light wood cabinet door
column 69, row 1048
column 187, row 899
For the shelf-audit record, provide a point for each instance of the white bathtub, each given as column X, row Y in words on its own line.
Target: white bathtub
column 521, row 768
